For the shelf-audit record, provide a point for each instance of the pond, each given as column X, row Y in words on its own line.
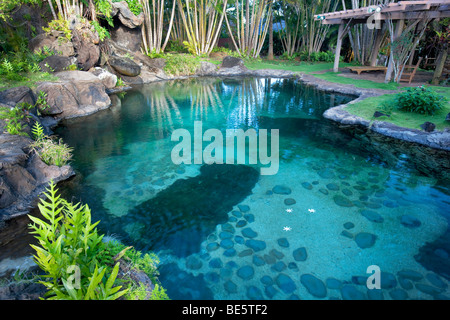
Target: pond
column 338, row 204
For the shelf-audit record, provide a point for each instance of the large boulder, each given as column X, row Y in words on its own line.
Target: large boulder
column 206, row 68
column 128, row 18
column 88, row 52
column 128, row 38
column 77, row 93
column 13, row 96
column 124, row 66
column 231, row 62
column 56, row 63
column 108, row 79
column 55, row 41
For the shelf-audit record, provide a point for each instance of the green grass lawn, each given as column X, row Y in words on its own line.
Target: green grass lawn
column 295, row 66
column 308, row 68
column 366, row 108
column 360, row 83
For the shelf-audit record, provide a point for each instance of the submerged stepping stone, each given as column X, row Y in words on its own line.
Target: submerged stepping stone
column 373, row 205
column 249, row 217
column 398, row 294
column 276, row 254
column 246, row 252
column 239, row 239
column 249, row 233
column 269, row 259
column 428, row 289
column 231, row 265
column 307, row 185
column 347, row 192
column 324, row 191
column 258, row 261
column 256, row 245
column 253, row 293
column 349, row 225
column 232, row 219
column 266, row 280
column 332, row 187
column 241, row 223
column 326, row 173
column 360, row 280
column 435, row 280
column 226, row 273
column 285, row 283
column 315, row 182
column 365, row 240
column 279, row 266
column 333, row 283
column 405, row 283
column 410, row 274
column 372, row 216
column 237, row 214
column 279, row 189
column 193, row 263
column 390, row 203
column 387, row 280
column 410, row 221
column 342, row 201
column 216, row 263
column 300, row 254
column 283, row 242
column 349, row 292
column 212, row 246
column 228, row 227
column 314, row 285
column 212, row 277
column 227, row 243
column 230, row 252
column 270, row 291
column 289, row 201
column 246, row 272
column 375, row 294
column 225, row 235
column 230, row 286
column 243, row 207
column 293, row 266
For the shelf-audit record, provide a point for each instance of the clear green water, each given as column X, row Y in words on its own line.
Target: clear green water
column 225, row 231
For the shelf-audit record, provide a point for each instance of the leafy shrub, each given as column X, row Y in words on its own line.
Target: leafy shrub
column 103, row 33
column 175, row 46
column 421, row 100
column 59, row 24
column 50, row 151
column 14, row 118
column 67, row 242
column 322, row 56
column 181, row 64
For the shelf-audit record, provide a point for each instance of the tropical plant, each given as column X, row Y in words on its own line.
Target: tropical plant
column 202, row 20
column 421, row 100
column 52, row 152
column 68, row 244
column 250, row 25
column 152, row 31
column 15, row 117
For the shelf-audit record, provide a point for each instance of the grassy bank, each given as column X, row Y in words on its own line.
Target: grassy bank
column 366, row 108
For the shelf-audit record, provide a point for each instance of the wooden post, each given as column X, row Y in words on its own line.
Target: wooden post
column 338, row 47
column 440, row 63
column 397, row 33
column 376, row 47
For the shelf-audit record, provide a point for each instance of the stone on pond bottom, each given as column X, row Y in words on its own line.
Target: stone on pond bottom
column 278, row 189
column 285, row 283
column 246, row 272
column 365, row 240
column 314, row 285
column 300, row 254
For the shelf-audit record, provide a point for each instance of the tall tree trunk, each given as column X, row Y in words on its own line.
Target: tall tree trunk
column 270, row 54
column 440, row 63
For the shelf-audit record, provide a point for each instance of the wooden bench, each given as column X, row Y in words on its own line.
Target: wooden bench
column 367, row 69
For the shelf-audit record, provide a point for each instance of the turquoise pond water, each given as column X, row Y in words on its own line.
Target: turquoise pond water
column 340, row 202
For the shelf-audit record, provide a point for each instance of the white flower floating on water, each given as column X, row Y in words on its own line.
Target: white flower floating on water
column 288, row 210
column 287, row 228
column 311, row 210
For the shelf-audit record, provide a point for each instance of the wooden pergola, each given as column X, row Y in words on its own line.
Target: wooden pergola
column 374, row 16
